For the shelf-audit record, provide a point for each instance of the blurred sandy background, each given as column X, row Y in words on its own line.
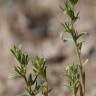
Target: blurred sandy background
column 36, row 25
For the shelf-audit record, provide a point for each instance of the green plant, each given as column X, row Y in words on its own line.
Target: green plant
column 74, row 72
column 33, row 85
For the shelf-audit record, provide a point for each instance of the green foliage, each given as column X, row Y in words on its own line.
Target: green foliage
column 33, row 87
column 22, row 58
column 73, row 77
column 73, row 2
column 75, row 72
column 40, row 67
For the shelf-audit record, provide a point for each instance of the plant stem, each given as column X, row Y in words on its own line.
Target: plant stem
column 74, row 93
column 81, row 72
column 46, row 86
